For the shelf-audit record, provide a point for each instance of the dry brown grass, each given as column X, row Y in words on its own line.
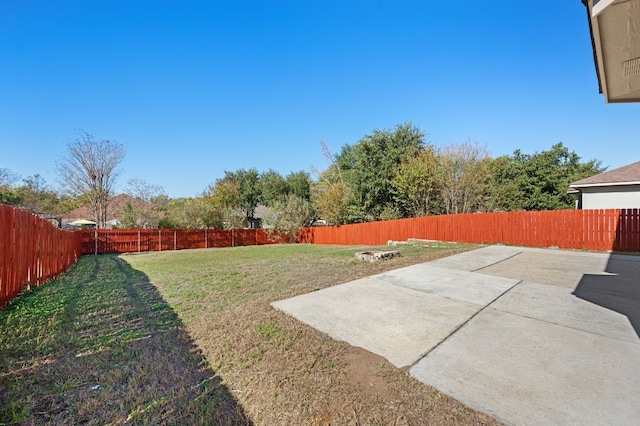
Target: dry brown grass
column 204, row 346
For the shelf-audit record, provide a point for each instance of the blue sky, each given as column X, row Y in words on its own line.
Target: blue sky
column 194, row 88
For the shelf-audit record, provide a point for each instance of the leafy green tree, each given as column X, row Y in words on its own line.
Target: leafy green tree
column 331, row 199
column 538, row 181
column 128, row 217
column 330, row 195
column 192, row 213
column 239, row 190
column 35, row 195
column 8, row 195
column 288, row 216
column 225, row 193
column 415, row 186
column 299, row 184
column 273, row 187
column 66, row 203
column 509, row 183
column 32, row 192
column 369, row 167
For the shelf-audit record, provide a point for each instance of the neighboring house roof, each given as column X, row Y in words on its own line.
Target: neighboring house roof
column 626, row 175
column 116, row 208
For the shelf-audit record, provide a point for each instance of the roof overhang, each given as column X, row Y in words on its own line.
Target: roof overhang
column 601, row 185
column 615, row 35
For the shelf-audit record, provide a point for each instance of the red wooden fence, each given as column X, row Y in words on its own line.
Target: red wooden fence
column 140, row 240
column 601, row 230
column 32, row 251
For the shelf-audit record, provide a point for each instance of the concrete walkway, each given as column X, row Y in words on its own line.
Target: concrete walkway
column 529, row 336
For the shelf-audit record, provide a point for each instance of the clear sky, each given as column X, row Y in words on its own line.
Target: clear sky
column 194, row 88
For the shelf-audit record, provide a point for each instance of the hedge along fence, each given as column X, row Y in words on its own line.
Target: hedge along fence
column 600, row 230
column 32, row 251
column 98, row 241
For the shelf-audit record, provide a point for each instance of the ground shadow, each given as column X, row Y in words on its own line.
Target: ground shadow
column 619, row 291
column 113, row 352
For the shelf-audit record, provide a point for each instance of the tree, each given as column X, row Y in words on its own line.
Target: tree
column 509, row 183
column 370, row 165
column 90, row 170
column 149, row 202
column 7, row 178
column 8, row 194
column 36, row 196
column 538, row 181
column 463, row 175
column 129, row 219
column 273, row 187
column 143, row 191
column 416, row 184
column 239, row 190
column 331, row 197
column 330, row 194
column 288, row 215
column 299, row 183
column 191, row 213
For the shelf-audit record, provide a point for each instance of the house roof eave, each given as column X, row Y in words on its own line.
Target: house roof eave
column 604, row 184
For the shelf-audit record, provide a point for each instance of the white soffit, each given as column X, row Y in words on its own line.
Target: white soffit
column 616, row 31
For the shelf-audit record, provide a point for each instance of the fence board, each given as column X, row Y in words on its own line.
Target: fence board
column 32, row 251
column 601, row 230
column 99, row 241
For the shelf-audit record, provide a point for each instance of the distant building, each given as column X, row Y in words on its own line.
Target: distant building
column 616, row 189
column 114, row 213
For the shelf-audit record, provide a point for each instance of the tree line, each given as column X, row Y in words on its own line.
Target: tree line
column 387, row 174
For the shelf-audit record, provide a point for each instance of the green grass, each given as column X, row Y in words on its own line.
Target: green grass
column 189, row 337
column 99, row 346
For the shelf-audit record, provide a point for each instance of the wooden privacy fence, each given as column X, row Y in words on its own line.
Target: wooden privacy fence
column 601, row 230
column 98, row 241
column 32, row 251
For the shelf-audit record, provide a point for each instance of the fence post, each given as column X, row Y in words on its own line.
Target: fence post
column 174, row 239
column 206, row 240
column 138, row 241
column 159, row 240
column 95, row 239
column 232, row 238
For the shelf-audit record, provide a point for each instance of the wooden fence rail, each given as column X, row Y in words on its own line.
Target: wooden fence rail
column 32, row 251
column 601, row 230
column 98, row 241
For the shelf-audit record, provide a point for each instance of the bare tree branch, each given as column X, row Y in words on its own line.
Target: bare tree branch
column 90, row 170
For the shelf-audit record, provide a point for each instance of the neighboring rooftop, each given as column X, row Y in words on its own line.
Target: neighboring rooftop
column 625, row 175
column 116, row 208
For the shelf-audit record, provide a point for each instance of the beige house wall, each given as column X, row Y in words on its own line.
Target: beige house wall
column 611, row 197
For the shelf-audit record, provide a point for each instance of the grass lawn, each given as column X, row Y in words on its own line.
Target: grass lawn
column 189, row 337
